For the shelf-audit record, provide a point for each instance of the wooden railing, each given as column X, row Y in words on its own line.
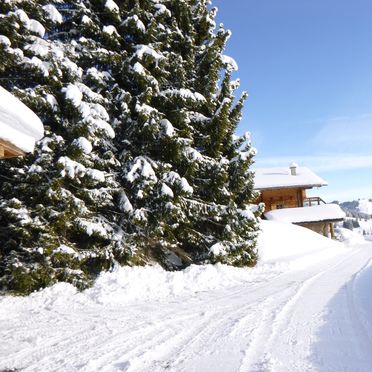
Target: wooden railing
column 313, row 200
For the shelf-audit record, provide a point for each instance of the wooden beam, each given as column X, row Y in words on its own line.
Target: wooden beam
column 332, row 230
column 8, row 150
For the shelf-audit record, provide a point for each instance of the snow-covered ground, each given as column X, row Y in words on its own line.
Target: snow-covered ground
column 365, row 206
column 365, row 226
column 306, row 307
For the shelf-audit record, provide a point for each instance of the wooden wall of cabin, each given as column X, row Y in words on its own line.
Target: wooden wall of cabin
column 282, row 198
column 323, row 228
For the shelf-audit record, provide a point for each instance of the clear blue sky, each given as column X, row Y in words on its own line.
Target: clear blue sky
column 307, row 65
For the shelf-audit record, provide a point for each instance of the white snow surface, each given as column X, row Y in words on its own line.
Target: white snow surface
column 139, row 24
column 5, row 40
column 18, row 124
column 110, row 30
column 73, row 93
column 141, row 168
column 111, row 5
column 166, row 190
column 271, row 178
column 365, row 206
column 349, row 237
column 53, row 14
column 83, row 144
column 167, row 127
column 39, row 47
column 227, row 60
column 36, row 27
column 305, row 307
column 315, row 213
column 184, row 93
column 73, row 169
column 137, row 67
column 85, row 19
column 145, row 50
column 185, row 186
column 161, row 9
column 124, row 203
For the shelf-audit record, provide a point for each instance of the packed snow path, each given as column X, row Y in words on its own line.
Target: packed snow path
column 317, row 317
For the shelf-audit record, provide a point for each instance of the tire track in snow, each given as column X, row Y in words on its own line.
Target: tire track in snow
column 295, row 316
column 221, row 332
column 130, row 347
column 357, row 311
column 76, row 345
column 76, row 335
column 175, row 352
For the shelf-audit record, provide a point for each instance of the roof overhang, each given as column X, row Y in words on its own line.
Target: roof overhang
column 289, row 187
column 318, row 221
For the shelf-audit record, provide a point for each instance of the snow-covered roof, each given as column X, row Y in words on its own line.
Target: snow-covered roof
column 18, row 124
column 277, row 178
column 316, row 213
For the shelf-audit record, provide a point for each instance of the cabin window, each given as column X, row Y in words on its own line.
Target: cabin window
column 280, row 206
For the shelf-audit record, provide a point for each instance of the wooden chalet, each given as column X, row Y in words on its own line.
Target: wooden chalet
column 283, row 190
column 20, row 127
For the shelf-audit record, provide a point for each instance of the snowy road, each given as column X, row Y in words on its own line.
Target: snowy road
column 317, row 317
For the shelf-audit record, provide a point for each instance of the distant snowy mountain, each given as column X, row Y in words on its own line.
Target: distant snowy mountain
column 359, row 217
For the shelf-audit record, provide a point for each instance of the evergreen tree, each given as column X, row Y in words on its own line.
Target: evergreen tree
column 140, row 161
column 355, row 223
column 58, row 207
column 348, row 224
column 188, row 180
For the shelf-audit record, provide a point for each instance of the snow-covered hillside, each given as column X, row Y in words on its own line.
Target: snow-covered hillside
column 357, row 208
column 305, row 307
column 365, row 206
column 359, row 217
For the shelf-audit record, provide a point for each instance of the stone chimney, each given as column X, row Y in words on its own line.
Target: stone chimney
column 293, row 167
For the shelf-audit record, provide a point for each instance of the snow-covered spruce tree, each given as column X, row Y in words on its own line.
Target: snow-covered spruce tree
column 140, row 161
column 59, row 207
column 188, row 181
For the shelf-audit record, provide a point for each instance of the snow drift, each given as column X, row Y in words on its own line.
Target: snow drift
column 281, row 246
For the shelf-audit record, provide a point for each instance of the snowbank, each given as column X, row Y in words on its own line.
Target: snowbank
column 349, row 237
column 282, row 247
column 295, row 246
column 125, row 285
column 18, row 124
